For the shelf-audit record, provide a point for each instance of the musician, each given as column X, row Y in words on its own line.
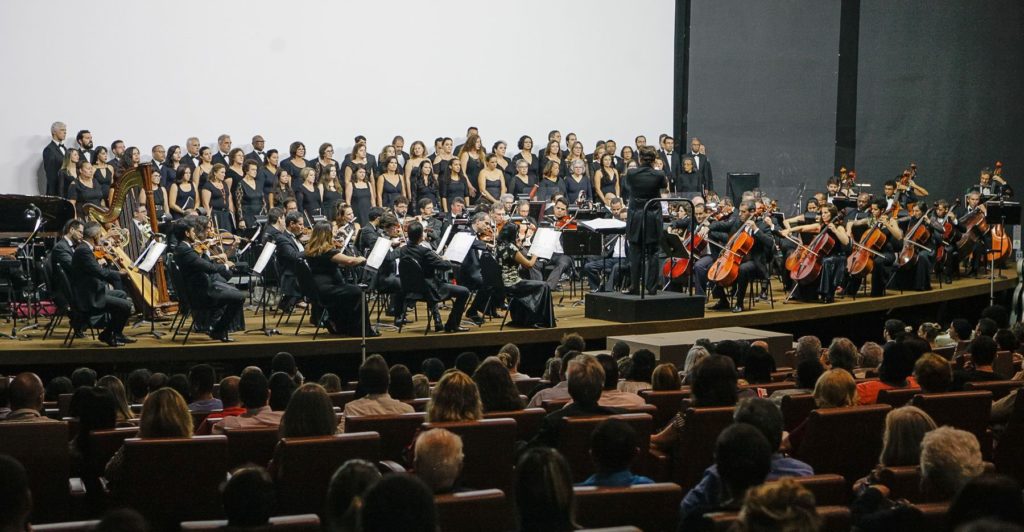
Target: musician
column 469, row 273
column 531, row 304
column 615, row 205
column 345, row 308
column 274, row 225
column 833, row 267
column 89, row 288
column 987, row 186
column 832, row 190
column 976, row 255
column 53, row 157
column 889, row 189
column 432, row 224
column 705, row 255
column 141, row 219
column 369, row 233
column 862, row 210
column 908, row 190
column 916, row 275
column 401, row 208
column 755, row 263
column 611, row 264
column 431, row 264
column 886, row 257
column 289, row 251
column 559, row 261
column 64, row 248
column 942, row 218
column 205, row 279
column 643, row 228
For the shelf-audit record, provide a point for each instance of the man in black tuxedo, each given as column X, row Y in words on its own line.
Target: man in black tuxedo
column 117, row 149
column 469, row 273
column 289, row 253
column 205, row 280
column 643, row 229
column 369, row 233
column 159, row 154
column 386, row 280
column 431, row 264
column 89, row 289
column 53, row 158
column 223, row 148
column 191, row 158
column 64, row 249
column 701, row 164
column 669, row 156
column 755, row 263
column 399, row 143
column 257, row 154
column 85, row 145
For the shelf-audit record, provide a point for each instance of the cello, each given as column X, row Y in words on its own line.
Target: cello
column 809, row 268
column 677, row 267
column 914, row 240
column 862, row 261
column 975, row 227
column 726, row 268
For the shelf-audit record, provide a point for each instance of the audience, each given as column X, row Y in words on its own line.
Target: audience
column 230, row 401
column 933, row 373
column 374, row 379
column 399, row 502
column 124, row 411
column 179, row 383
column 834, row 389
column 639, row 377
column 983, row 353
column 5, row 401
column 560, row 389
column 894, row 373
column 929, row 332
column 122, row 520
column 759, row 366
column 511, row 352
column 905, row 428
column 15, row 495
column 664, row 378
column 784, row 505
column 57, row 387
column 842, row 354
column 420, row 386
column 281, row 389
column 455, row 398
column 949, row 458
column 620, row 350
column 345, row 495
column 400, row 386
column 83, row 377
column 137, row 384
column 960, row 331
column 586, row 381
column 542, row 493
column 714, row 384
column 610, row 395
column 993, row 497
column 249, row 497
column 437, row 459
column 164, row 415
column 285, row 362
column 807, row 373
column 330, row 382
column 810, row 347
column 253, row 392
column 201, row 379
column 694, row 357
column 870, row 355
column 467, row 362
column 433, row 368
column 309, row 413
column 26, row 395
column 155, row 382
column 497, row 391
column 613, row 448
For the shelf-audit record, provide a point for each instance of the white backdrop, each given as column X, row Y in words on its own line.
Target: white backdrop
column 324, row 71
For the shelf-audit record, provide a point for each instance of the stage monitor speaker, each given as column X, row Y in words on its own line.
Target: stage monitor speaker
column 738, row 183
column 624, row 308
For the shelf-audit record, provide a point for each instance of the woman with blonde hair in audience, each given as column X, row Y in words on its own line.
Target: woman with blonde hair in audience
column 694, row 357
column 905, row 428
column 455, row 398
column 123, row 411
column 309, row 413
column 834, row 389
column 781, row 505
column 164, row 415
column 665, row 378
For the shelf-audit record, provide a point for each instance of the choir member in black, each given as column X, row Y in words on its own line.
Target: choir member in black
column 295, row 163
column 282, row 191
column 85, row 190
column 206, row 280
column 235, row 170
column 159, row 193
column 387, row 276
column 755, row 263
column 369, row 232
column 359, row 194
column 390, row 183
column 606, row 180
column 359, row 159
column 201, row 173
column 431, row 264
column 53, row 159
column 191, row 158
column 345, row 309
column 308, row 195
column 702, row 164
column 217, row 201
column 412, row 164
column 575, row 154
column 104, row 172
column 916, row 275
column 223, row 150
column 257, row 154
column 882, row 270
column 249, row 195
column 68, row 172
column 89, row 289
column 386, row 153
column 987, row 185
column 330, row 190
column 626, row 158
column 833, row 268
column 491, row 180
column 472, row 158
column 947, row 253
column 169, row 169
column 552, row 154
column 550, row 184
column 531, row 304
column 326, row 160
column 268, row 173
column 688, row 180
column 424, row 184
column 454, row 185
column 974, row 257
column 521, row 183
column 288, row 252
column 504, row 163
column 525, row 146
column 643, row 228
column 578, row 187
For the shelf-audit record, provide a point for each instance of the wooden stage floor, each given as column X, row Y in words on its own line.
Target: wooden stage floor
column 35, row 351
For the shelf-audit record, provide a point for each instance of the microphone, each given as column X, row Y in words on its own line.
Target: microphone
column 32, row 212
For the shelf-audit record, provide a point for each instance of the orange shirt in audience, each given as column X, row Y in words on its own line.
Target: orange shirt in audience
column 867, row 392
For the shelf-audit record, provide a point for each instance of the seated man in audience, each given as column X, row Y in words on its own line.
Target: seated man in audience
column 249, row 497
column 586, row 380
column 610, row 395
column 137, row 385
column 870, row 357
column 201, row 378
column 232, row 405
column 254, row 392
column 438, row 460
column 894, row 372
column 26, row 395
column 374, row 379
column 933, row 373
column 83, row 377
column 285, row 362
column 614, row 447
column 560, row 391
column 983, row 353
column 399, row 502
column 807, row 373
column 15, row 495
column 767, row 419
column 809, row 347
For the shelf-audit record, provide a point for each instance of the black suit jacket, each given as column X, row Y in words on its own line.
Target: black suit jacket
column 764, row 244
column 288, row 253
column 469, row 274
column 703, row 167
column 366, row 239
column 52, row 159
column 85, row 154
column 198, row 271
column 218, row 158
column 89, row 280
column 644, row 183
column 431, row 264
column 186, row 160
column 672, row 163
column 256, row 157
column 62, row 254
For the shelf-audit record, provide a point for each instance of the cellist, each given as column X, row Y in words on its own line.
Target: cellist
column 886, row 257
column 833, row 269
column 916, row 275
column 943, row 219
column 702, row 256
column 755, row 263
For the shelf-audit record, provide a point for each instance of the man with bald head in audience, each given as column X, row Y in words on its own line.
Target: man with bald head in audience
column 26, row 394
column 438, row 459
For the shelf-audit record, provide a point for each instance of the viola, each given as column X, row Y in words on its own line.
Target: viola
column 862, row 261
column 726, row 268
column 915, row 238
column 809, row 268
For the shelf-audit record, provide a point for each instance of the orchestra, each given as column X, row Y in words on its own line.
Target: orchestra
column 329, row 215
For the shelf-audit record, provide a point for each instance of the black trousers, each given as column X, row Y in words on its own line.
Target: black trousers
column 119, row 307
column 879, row 275
column 459, row 295
column 648, row 253
column 229, row 301
column 345, row 310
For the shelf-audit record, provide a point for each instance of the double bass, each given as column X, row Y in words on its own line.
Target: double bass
column 862, row 261
column 726, row 268
column 915, row 239
column 809, row 268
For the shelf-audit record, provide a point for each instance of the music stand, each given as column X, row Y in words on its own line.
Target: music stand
column 579, row 243
column 843, row 203
column 1005, row 213
column 146, row 263
column 261, row 264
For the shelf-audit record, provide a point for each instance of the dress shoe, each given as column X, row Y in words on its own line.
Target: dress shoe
column 109, row 339
column 723, row 304
column 125, row 339
column 399, row 322
column 222, row 336
column 79, row 334
column 457, row 328
column 477, row 319
column 737, row 308
column 372, row 333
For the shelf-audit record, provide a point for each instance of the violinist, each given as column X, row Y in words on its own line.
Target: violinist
column 386, row 281
column 401, row 208
column 907, row 190
column 91, row 293
column 206, row 280
column 833, row 267
column 470, row 275
column 611, row 264
column 886, row 256
column 289, row 251
column 430, row 264
column 344, row 222
column 432, row 225
column 368, row 233
column 560, row 262
column 916, row 275
column 832, row 190
column 615, row 205
column 946, row 225
column 755, row 263
column 343, row 301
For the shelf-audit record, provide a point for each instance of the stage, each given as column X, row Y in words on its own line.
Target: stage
column 36, row 352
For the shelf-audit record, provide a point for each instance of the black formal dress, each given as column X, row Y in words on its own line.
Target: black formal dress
column 574, row 190
column 89, row 290
column 391, row 192
column 427, row 188
column 219, row 207
column 310, row 202
column 703, row 167
column 643, row 228
column 251, row 203
column 205, row 281
column 533, row 170
column 85, row 195
column 185, row 199
column 344, row 301
column 547, row 188
column 362, row 203
column 531, row 304
column 517, row 187
column 331, row 199
column 453, row 188
column 607, row 182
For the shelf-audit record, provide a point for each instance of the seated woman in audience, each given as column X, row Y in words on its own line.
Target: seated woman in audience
column 345, row 494
column 905, row 427
column 714, row 384
column 455, row 398
column 639, row 377
column 781, row 505
column 331, row 382
column 374, row 379
column 933, row 373
column 758, row 366
column 164, row 415
column 613, row 448
column 834, row 389
column 543, row 492
column 421, row 386
column 309, row 413
column 807, row 373
column 894, row 373
column 401, row 386
column 870, row 358
column 929, row 332
column 694, row 357
column 123, row 411
column 497, row 391
column 665, row 378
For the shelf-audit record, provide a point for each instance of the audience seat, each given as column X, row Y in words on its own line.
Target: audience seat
column 574, row 442
column 904, row 482
column 64, row 404
column 769, row 387
column 67, row 526
column 43, row 449
column 284, row 523
column 550, row 405
column 828, row 489
column 251, row 445
column 489, row 449
column 833, row 519
column 999, row 389
column 396, row 431
column 474, row 511
column 528, row 421
column 968, row 411
column 340, row 399
column 1007, row 455
column 199, row 417
column 668, row 404
column 649, row 507
column 419, row 404
column 897, row 397
column 945, row 352
column 845, row 441
column 525, row 386
column 302, row 467
column 105, row 443
column 795, row 409
column 933, row 515
column 171, row 480
column 694, row 451
column 1003, row 364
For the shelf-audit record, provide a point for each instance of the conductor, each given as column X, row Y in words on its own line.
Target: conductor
column 643, row 228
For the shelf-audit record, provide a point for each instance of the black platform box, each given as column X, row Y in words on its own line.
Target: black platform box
column 615, row 306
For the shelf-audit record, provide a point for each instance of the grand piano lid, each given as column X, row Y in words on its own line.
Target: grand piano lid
column 15, row 222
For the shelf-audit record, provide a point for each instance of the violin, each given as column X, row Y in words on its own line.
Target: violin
column 726, row 268
column 862, row 261
column 915, row 238
column 566, row 223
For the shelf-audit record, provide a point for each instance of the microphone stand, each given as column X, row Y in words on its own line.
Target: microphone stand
column 25, row 249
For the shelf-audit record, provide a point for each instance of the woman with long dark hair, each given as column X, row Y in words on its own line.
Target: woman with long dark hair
column 346, row 312
column 531, row 304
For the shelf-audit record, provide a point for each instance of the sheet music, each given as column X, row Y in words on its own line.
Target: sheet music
column 264, row 258
column 156, row 250
column 459, row 247
column 379, row 252
column 443, row 243
column 545, row 241
column 598, row 224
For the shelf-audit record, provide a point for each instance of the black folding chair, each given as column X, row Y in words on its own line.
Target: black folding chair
column 78, row 318
column 307, row 286
column 415, row 288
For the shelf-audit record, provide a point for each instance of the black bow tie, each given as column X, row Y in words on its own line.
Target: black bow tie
column 61, row 146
